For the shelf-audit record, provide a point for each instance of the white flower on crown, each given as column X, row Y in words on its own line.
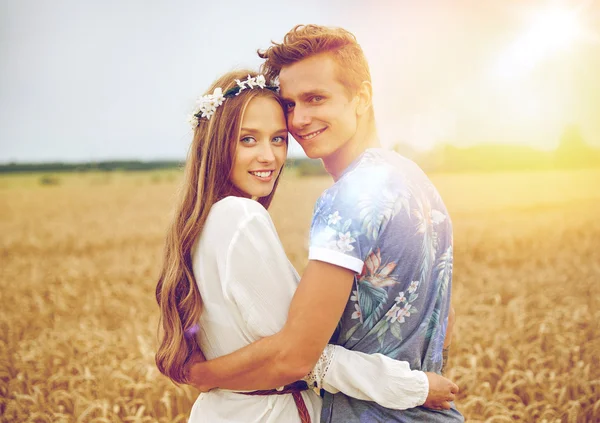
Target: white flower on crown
column 240, row 84
column 193, row 120
column 207, row 104
column 251, row 82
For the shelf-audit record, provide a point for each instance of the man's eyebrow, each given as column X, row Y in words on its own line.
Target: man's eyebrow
column 307, row 94
column 313, row 93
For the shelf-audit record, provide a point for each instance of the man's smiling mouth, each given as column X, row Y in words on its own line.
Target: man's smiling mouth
column 311, row 135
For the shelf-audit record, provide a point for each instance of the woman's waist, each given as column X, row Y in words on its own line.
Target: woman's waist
column 222, row 405
column 298, row 386
column 222, row 397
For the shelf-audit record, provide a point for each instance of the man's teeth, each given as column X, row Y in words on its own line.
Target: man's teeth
column 310, row 136
column 263, row 174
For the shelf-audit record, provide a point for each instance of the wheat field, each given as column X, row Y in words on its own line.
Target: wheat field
column 79, row 260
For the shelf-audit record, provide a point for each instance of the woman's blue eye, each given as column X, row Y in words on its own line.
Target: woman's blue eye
column 247, row 140
column 279, row 139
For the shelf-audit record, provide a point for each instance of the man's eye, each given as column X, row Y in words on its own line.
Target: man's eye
column 317, row 99
column 289, row 106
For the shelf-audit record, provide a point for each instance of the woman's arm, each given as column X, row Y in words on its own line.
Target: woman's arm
column 378, row 378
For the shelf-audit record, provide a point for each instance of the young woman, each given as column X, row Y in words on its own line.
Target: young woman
column 225, row 280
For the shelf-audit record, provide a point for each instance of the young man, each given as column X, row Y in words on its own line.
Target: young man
column 380, row 257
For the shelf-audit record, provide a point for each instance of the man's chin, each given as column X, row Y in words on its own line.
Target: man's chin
column 312, row 153
column 312, row 150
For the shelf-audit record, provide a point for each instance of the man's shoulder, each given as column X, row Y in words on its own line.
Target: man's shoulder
column 377, row 170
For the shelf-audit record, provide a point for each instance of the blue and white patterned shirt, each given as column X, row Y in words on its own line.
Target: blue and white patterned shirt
column 385, row 220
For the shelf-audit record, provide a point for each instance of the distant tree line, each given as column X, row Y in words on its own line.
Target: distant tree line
column 572, row 152
column 302, row 166
column 306, row 167
column 105, row 166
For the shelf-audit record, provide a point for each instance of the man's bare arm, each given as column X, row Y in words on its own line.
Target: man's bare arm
column 289, row 355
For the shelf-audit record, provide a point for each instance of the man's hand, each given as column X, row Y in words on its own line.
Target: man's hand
column 441, row 392
column 195, row 382
column 196, row 358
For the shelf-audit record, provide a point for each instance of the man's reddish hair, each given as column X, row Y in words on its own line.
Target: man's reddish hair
column 304, row 41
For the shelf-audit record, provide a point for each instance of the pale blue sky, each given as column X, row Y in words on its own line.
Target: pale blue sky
column 93, row 80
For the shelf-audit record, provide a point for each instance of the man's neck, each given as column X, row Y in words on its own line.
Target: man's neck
column 337, row 163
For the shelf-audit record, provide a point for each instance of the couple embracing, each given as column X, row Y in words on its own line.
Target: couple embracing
column 368, row 324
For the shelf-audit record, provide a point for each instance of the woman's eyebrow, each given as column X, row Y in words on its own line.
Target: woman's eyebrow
column 256, row 131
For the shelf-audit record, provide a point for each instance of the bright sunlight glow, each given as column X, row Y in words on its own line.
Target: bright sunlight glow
column 550, row 31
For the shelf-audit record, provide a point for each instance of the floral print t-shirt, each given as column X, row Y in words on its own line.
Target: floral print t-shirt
column 385, row 220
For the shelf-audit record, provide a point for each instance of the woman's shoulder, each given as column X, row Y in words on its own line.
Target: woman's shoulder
column 231, row 216
column 238, row 209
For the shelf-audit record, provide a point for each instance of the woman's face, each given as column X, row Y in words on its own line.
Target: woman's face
column 261, row 148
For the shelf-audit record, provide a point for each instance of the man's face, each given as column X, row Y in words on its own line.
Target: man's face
column 321, row 116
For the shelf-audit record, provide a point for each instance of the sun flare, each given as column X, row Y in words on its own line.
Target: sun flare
column 549, row 32
column 554, row 29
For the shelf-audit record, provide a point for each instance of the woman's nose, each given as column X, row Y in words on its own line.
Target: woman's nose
column 266, row 154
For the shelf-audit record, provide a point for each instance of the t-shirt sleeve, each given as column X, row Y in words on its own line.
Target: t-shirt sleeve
column 348, row 219
column 259, row 278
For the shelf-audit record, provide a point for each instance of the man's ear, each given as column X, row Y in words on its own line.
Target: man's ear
column 365, row 98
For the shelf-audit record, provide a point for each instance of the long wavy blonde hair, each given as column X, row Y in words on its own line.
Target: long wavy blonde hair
column 206, row 181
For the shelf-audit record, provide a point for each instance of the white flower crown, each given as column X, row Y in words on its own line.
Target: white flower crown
column 207, row 104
